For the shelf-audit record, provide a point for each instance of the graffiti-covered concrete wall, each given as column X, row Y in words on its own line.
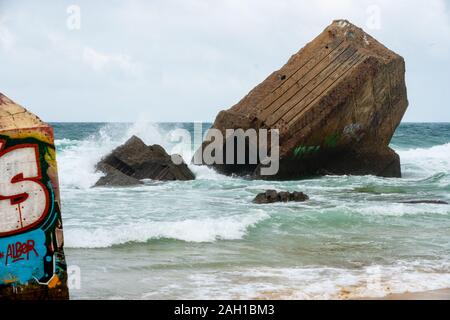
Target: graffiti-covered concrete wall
column 32, row 262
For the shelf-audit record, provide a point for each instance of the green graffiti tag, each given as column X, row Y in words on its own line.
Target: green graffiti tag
column 304, row 150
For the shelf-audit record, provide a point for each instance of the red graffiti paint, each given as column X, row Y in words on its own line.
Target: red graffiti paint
column 24, row 199
column 20, row 251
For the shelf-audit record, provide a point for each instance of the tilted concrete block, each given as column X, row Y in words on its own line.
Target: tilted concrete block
column 336, row 104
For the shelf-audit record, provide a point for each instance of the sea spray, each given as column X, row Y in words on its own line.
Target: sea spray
column 424, row 162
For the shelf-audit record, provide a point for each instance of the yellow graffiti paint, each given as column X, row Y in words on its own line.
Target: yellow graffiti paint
column 54, row 282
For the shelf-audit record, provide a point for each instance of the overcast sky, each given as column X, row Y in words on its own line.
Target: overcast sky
column 185, row 60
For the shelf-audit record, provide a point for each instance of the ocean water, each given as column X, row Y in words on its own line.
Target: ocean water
column 204, row 239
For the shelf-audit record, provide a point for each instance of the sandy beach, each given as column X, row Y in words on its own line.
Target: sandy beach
column 443, row 294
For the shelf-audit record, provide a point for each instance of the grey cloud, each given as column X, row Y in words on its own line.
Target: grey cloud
column 186, row 60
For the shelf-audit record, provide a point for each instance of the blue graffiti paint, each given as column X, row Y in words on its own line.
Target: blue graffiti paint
column 21, row 257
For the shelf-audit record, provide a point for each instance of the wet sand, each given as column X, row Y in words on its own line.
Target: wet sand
column 443, row 294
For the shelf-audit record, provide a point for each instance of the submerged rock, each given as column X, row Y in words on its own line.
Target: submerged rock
column 425, row 202
column 336, row 103
column 271, row 196
column 133, row 161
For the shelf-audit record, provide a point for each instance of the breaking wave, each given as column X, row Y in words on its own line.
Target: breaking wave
column 189, row 230
column 425, row 162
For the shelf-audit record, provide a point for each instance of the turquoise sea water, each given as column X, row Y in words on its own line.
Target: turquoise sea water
column 205, row 239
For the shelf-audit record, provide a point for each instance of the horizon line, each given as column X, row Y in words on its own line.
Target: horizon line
column 424, row 122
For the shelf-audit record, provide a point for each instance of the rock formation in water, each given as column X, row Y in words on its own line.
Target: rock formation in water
column 336, row 103
column 133, row 161
column 271, row 196
column 425, row 202
column 32, row 261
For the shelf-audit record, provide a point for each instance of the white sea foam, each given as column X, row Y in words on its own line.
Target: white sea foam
column 76, row 162
column 190, row 230
column 150, row 133
column 422, row 162
column 318, row 282
column 402, row 209
column 206, row 173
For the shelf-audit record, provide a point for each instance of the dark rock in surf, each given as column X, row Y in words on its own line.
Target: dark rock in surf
column 271, row 196
column 133, row 161
column 425, row 202
column 114, row 177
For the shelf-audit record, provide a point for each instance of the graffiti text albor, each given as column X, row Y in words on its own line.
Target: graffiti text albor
column 19, row 251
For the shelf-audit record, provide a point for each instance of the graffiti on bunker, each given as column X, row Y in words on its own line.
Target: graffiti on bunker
column 31, row 238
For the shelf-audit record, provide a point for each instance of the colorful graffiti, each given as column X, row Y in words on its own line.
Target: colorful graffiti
column 31, row 239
